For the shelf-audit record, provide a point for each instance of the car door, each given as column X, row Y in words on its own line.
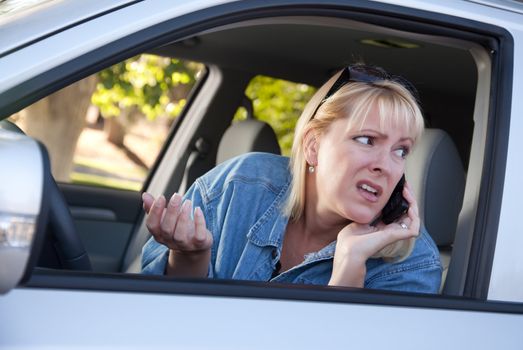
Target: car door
column 105, row 219
column 68, row 309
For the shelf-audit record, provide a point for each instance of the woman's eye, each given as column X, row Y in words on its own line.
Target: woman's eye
column 366, row 140
column 402, row 152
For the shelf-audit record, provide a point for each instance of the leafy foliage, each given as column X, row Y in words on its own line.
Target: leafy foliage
column 157, row 86
column 278, row 103
column 154, row 85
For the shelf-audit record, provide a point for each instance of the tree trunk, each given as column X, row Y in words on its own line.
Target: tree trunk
column 58, row 121
column 116, row 127
column 115, row 131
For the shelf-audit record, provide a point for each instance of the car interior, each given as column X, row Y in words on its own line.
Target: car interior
column 309, row 50
column 451, row 71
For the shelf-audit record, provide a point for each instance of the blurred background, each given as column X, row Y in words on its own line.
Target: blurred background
column 108, row 129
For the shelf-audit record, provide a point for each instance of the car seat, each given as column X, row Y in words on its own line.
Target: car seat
column 243, row 136
column 249, row 135
column 436, row 174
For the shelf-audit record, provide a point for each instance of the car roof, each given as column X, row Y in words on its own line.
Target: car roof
column 23, row 22
column 291, row 48
column 310, row 49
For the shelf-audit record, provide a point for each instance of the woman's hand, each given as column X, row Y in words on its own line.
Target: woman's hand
column 189, row 240
column 358, row 242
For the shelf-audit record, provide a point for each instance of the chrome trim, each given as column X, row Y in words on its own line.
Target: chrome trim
column 16, row 231
column 21, row 191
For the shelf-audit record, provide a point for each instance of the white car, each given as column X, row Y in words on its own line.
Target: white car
column 70, row 253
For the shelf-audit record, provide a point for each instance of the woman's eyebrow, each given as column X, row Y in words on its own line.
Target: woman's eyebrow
column 385, row 136
column 380, row 134
column 407, row 139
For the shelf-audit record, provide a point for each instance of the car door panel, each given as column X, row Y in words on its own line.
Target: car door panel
column 68, row 309
column 143, row 320
column 104, row 218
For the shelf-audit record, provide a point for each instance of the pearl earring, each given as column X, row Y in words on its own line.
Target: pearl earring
column 311, row 169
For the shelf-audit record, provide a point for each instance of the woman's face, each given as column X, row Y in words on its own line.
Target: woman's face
column 357, row 169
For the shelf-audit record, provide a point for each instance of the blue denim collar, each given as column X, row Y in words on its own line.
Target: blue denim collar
column 257, row 235
column 326, row 252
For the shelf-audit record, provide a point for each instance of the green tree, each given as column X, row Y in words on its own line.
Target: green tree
column 145, row 85
column 279, row 103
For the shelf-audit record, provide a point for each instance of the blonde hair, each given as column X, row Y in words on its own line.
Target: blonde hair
column 354, row 100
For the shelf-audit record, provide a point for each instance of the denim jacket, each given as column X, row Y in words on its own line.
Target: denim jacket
column 242, row 201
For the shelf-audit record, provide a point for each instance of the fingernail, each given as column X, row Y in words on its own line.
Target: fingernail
column 186, row 207
column 175, row 200
column 198, row 212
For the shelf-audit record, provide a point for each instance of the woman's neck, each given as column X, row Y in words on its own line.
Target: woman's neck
column 317, row 222
column 316, row 227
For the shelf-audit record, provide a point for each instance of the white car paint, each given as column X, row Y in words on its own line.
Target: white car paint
column 87, row 319
column 156, row 321
column 85, row 37
column 507, row 272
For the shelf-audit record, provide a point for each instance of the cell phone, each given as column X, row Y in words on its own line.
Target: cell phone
column 397, row 204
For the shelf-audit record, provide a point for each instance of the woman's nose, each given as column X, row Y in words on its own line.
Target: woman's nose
column 381, row 162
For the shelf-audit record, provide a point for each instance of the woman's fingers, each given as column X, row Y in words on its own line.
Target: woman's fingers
column 359, row 229
column 202, row 237
column 413, row 211
column 363, row 241
column 397, row 233
column 148, row 201
column 192, row 235
column 375, row 242
column 184, row 227
column 409, row 196
column 415, row 222
column 154, row 218
column 173, row 225
column 171, row 215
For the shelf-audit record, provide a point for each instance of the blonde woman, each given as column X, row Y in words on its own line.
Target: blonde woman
column 317, row 218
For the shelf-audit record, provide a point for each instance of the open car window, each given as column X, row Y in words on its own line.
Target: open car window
column 460, row 120
column 108, row 129
column 456, row 69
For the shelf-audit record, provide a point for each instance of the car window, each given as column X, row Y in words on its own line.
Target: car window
column 107, row 129
column 238, row 52
column 279, row 103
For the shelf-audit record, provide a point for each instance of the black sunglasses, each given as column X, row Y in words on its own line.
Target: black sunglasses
column 367, row 74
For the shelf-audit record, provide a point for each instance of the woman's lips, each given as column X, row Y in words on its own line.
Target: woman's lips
column 371, row 197
column 369, row 191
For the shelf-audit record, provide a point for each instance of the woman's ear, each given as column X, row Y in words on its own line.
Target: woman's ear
column 310, row 147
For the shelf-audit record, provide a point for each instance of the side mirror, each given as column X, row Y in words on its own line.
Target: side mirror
column 23, row 208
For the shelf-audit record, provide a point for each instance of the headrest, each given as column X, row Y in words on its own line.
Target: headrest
column 244, row 136
column 435, row 172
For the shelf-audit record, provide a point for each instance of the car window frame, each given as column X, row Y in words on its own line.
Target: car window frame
column 489, row 203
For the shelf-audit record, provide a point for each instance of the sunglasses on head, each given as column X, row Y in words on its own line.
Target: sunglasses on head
column 370, row 75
